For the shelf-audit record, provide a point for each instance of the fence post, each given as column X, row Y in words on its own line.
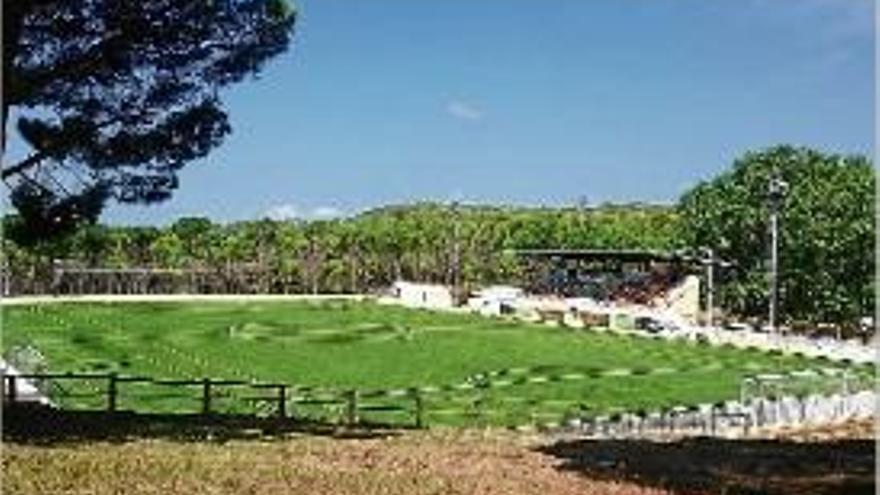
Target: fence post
column 417, row 397
column 206, row 396
column 282, row 401
column 112, row 391
column 352, row 415
column 759, row 413
column 12, row 388
column 713, row 425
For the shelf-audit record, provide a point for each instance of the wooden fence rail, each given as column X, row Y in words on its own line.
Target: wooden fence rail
column 283, row 396
column 471, row 400
column 207, row 385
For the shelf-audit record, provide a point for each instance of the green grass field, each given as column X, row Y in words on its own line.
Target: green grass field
column 527, row 372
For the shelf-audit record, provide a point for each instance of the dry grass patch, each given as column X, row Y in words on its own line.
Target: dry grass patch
column 459, row 462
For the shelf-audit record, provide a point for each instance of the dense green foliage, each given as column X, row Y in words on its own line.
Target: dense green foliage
column 827, row 233
column 113, row 97
column 341, row 345
column 364, row 252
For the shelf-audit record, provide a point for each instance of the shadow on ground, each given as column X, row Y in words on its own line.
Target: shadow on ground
column 38, row 425
column 717, row 466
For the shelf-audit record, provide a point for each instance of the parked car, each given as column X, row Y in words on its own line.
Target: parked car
column 737, row 327
column 649, row 324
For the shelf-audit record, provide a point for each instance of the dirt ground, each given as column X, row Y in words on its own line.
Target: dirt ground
column 411, row 464
column 446, row 462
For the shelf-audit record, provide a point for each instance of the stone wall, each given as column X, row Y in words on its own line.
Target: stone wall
column 731, row 419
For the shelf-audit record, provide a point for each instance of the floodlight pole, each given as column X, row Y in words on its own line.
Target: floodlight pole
column 774, row 266
column 777, row 191
column 456, row 254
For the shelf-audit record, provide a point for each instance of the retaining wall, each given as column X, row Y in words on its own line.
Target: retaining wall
column 731, row 419
column 823, row 347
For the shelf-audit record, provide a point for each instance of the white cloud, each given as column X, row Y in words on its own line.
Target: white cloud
column 283, row 212
column 463, row 110
column 289, row 211
column 325, row 212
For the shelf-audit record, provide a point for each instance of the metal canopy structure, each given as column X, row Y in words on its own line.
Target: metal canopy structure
column 599, row 273
column 623, row 256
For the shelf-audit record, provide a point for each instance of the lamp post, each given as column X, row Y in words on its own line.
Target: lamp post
column 456, row 254
column 709, row 262
column 776, row 196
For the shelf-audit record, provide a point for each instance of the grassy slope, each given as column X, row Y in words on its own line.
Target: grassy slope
column 366, row 346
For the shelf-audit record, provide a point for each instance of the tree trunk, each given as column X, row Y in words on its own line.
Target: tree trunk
column 13, row 22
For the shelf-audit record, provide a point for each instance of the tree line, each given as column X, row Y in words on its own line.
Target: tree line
column 827, row 241
column 427, row 242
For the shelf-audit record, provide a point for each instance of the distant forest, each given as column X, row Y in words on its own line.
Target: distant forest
column 423, row 242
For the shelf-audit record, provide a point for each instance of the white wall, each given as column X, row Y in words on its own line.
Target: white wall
column 423, row 295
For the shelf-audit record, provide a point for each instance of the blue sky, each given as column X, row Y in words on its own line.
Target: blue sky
column 514, row 101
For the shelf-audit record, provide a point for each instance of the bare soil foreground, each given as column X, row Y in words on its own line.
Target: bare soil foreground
column 446, row 462
column 411, row 464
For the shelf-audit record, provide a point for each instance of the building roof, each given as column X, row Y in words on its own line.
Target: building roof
column 626, row 255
